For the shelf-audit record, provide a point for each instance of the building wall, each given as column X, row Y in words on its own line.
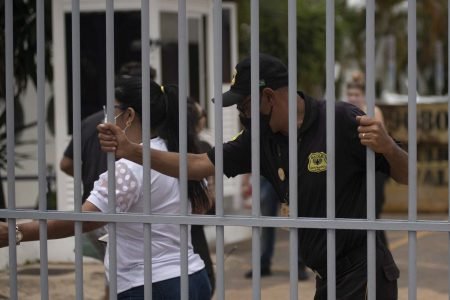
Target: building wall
column 432, row 156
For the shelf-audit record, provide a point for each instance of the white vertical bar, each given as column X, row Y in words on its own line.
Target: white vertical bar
column 182, row 81
column 10, row 145
column 412, row 145
column 201, row 64
column 218, row 124
column 293, row 188
column 256, row 212
column 448, row 139
column 112, row 240
column 145, row 68
column 330, row 106
column 42, row 168
column 76, row 113
column 370, row 171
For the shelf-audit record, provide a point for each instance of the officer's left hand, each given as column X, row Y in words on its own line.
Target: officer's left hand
column 373, row 135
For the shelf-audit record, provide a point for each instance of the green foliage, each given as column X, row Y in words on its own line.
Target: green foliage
column 24, row 44
column 391, row 19
column 25, row 65
column 432, row 28
column 350, row 38
column 18, row 130
column 24, row 68
column 311, row 22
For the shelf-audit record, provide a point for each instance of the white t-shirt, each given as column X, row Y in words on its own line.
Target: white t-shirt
column 165, row 199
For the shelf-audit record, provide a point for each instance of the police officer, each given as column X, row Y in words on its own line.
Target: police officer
column 353, row 132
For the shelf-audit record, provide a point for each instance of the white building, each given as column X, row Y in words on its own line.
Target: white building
column 163, row 57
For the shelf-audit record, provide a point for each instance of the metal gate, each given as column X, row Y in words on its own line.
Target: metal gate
column 331, row 223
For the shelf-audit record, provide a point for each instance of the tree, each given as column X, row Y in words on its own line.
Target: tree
column 24, row 49
column 311, row 51
column 391, row 20
column 350, row 35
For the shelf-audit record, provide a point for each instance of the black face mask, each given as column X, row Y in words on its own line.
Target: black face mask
column 264, row 123
column 246, row 122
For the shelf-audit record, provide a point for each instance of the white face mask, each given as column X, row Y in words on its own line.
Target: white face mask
column 115, row 118
column 105, row 119
column 127, row 125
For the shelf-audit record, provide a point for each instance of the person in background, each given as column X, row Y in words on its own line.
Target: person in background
column 269, row 207
column 93, row 159
column 165, row 199
column 356, row 95
column 93, row 163
column 356, row 89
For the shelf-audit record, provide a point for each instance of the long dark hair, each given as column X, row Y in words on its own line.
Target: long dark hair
column 165, row 121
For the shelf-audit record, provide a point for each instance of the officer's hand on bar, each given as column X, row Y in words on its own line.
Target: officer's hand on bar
column 373, row 135
column 3, row 234
column 113, row 139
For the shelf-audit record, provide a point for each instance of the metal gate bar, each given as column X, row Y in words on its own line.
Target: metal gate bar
column 146, row 118
column 448, row 139
column 255, row 96
column 233, row 220
column 112, row 239
column 218, row 154
column 182, row 83
column 412, row 147
column 293, row 159
column 370, row 169
column 10, row 144
column 330, row 124
column 42, row 168
column 76, row 112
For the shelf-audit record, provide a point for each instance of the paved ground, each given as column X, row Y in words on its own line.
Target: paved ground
column 432, row 266
column 61, row 282
column 432, row 274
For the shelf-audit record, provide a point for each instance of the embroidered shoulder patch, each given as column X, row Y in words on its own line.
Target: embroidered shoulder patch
column 317, row 162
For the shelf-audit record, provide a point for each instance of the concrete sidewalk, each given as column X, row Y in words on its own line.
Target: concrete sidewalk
column 432, row 271
column 432, row 268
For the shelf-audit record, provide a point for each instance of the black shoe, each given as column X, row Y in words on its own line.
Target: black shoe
column 264, row 272
column 302, row 273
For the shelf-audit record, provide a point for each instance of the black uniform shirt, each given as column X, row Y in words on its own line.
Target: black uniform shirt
column 93, row 159
column 350, row 174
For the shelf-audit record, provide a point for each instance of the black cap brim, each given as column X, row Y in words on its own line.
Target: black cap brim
column 231, row 98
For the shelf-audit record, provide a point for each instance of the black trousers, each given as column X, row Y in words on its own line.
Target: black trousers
column 351, row 284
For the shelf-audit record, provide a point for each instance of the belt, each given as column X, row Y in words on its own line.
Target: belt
column 345, row 262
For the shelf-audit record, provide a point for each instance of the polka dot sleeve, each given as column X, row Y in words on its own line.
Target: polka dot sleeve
column 127, row 189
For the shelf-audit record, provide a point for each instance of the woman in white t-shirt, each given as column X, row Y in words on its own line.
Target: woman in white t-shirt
column 165, row 199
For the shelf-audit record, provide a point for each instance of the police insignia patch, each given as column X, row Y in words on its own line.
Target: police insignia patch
column 317, row 162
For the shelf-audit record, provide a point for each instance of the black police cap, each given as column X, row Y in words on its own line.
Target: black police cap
column 272, row 73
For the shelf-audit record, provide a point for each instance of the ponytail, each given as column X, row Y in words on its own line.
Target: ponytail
column 169, row 131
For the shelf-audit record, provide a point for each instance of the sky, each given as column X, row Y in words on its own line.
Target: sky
column 356, row 3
